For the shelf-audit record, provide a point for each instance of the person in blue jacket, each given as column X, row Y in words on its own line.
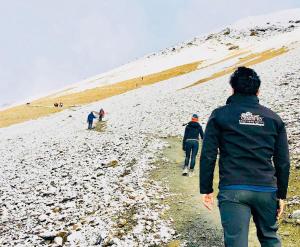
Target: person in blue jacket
column 190, row 144
column 90, row 120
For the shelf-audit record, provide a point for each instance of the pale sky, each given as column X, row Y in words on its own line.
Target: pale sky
column 48, row 44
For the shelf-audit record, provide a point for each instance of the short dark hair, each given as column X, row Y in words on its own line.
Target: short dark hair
column 245, row 81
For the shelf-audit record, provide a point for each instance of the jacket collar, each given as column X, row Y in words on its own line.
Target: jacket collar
column 240, row 98
column 193, row 124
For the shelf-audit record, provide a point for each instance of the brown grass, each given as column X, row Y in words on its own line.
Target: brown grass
column 23, row 113
column 231, row 56
column 289, row 229
column 247, row 61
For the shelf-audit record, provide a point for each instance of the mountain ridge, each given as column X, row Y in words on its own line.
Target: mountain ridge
column 213, row 53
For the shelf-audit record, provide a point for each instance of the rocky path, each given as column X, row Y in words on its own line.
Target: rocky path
column 195, row 225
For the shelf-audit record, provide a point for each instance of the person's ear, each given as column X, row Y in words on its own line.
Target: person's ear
column 232, row 90
column 257, row 93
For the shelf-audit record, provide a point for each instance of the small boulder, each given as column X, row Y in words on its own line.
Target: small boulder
column 210, row 37
column 48, row 236
column 113, row 163
column 56, row 209
column 58, row 241
column 99, row 240
column 43, row 218
column 234, row 47
column 226, row 31
column 296, row 214
column 286, row 233
column 122, row 222
column 76, row 227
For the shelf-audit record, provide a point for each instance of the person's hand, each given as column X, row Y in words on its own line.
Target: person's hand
column 280, row 208
column 208, row 200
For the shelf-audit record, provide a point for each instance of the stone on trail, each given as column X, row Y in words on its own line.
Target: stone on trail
column 295, row 214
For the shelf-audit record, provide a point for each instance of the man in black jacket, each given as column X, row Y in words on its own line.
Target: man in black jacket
column 190, row 144
column 253, row 163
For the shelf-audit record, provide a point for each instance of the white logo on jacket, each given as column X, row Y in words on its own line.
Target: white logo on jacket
column 249, row 118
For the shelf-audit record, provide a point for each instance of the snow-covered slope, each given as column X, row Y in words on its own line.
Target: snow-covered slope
column 58, row 180
column 268, row 32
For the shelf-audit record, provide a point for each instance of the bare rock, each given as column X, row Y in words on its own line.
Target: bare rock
column 122, row 222
column 234, row 47
column 58, row 241
column 43, row 218
column 296, row 214
column 48, row 236
column 226, row 31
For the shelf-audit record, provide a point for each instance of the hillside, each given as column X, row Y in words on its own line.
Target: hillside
column 59, row 180
column 247, row 42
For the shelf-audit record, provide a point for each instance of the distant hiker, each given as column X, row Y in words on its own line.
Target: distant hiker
column 55, row 104
column 101, row 114
column 90, row 120
column 61, row 104
column 253, row 164
column 190, row 144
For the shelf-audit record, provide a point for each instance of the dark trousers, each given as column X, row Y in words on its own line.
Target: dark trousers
column 90, row 126
column 191, row 150
column 236, row 208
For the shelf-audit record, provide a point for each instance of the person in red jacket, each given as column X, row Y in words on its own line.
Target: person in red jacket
column 101, row 114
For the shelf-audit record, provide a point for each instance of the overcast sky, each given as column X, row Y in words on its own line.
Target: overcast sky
column 48, row 44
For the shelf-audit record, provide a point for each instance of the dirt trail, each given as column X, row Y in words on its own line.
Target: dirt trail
column 196, row 225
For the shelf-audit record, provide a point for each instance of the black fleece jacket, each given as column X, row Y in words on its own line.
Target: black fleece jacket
column 252, row 143
column 192, row 131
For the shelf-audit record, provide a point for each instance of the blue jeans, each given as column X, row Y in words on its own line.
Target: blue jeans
column 236, row 208
column 90, row 126
column 191, row 150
